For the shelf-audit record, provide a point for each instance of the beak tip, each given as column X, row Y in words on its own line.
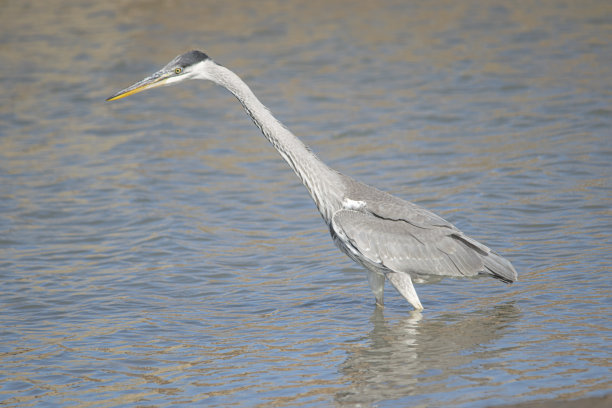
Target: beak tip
column 117, row 96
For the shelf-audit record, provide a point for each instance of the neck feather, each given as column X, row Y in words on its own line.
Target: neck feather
column 323, row 183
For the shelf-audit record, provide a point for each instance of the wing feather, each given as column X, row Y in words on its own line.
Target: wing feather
column 405, row 237
column 403, row 247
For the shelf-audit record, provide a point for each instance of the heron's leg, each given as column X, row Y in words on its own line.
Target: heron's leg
column 402, row 282
column 376, row 280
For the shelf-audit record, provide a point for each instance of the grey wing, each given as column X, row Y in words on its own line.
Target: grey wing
column 390, row 207
column 403, row 247
column 433, row 245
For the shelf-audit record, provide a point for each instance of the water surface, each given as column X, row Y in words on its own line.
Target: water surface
column 156, row 251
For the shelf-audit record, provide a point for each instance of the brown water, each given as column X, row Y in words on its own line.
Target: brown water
column 157, row 252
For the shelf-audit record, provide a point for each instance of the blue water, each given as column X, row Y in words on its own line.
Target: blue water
column 156, row 251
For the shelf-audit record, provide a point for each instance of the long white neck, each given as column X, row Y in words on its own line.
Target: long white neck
column 323, row 183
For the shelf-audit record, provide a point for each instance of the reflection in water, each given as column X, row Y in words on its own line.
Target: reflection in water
column 415, row 355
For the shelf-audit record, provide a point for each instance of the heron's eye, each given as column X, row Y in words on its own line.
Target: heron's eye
column 178, row 70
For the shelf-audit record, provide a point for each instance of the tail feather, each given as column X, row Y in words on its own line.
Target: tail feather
column 499, row 267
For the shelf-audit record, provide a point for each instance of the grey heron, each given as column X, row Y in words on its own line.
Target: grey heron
column 392, row 238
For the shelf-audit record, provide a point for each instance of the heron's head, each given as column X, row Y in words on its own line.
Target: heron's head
column 190, row 65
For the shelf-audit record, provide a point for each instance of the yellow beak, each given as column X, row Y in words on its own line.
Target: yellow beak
column 153, row 81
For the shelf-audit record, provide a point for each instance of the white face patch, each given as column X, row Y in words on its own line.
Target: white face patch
column 349, row 204
column 174, row 80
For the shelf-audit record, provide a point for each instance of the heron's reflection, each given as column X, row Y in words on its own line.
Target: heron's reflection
column 417, row 356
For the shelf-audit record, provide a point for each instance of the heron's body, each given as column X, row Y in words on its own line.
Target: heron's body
column 392, row 238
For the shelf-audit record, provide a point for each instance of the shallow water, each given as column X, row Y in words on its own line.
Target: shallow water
column 157, row 252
